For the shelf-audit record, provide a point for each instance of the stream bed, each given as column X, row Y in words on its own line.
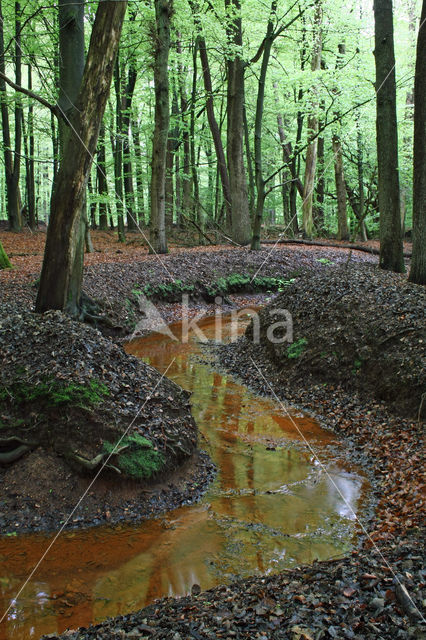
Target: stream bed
column 275, row 503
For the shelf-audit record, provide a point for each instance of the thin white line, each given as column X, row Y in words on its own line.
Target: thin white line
column 324, row 469
column 84, row 494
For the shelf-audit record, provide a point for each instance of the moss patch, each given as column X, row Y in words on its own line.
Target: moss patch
column 140, row 460
column 54, row 393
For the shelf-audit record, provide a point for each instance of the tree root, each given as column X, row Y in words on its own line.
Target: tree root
column 91, row 465
column 7, row 457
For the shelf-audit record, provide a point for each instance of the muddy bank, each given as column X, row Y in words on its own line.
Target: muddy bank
column 67, row 396
column 116, row 286
column 355, row 326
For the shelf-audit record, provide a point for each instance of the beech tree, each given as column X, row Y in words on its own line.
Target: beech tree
column 235, row 124
column 418, row 262
column 57, row 289
column 163, row 10
column 391, row 252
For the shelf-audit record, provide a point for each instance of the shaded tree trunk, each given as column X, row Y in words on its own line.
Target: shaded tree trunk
column 163, row 10
column 57, row 291
column 139, row 171
column 235, row 128
column 102, row 181
column 117, row 150
column 418, row 262
column 29, row 161
column 391, row 253
column 214, row 127
column 12, row 159
column 311, row 152
column 342, row 215
column 258, row 170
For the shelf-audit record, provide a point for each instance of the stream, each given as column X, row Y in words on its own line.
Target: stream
column 271, row 506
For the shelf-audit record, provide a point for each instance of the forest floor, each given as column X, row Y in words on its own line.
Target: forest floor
column 377, row 591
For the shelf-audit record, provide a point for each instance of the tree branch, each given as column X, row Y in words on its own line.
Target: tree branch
column 52, row 107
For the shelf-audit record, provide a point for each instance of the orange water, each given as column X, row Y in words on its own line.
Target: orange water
column 272, row 505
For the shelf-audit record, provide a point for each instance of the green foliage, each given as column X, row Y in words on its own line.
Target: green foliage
column 357, row 366
column 325, row 261
column 164, row 289
column 296, row 349
column 242, row 282
column 54, row 393
column 140, row 460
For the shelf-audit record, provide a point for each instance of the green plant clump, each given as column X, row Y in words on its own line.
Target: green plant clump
column 164, row 289
column 296, row 349
column 140, row 460
column 239, row 282
column 54, row 393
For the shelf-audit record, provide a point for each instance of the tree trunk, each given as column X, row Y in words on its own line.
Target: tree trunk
column 139, row 171
column 258, row 170
column 320, row 189
column 214, row 127
column 311, row 152
column 342, row 215
column 163, row 9
column 418, row 262
column 235, row 128
column 57, row 291
column 102, row 181
column 194, row 162
column 131, row 216
column 29, row 162
column 391, row 256
column 117, row 147
column 12, row 160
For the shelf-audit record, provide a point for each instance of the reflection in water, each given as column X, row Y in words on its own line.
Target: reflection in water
column 270, row 507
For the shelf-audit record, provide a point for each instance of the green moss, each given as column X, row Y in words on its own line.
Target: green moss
column 140, row 460
column 296, row 349
column 242, row 282
column 54, row 393
column 164, row 289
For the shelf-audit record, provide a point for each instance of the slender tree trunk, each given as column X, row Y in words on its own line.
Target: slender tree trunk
column 186, row 163
column 139, row 171
column 56, row 290
column 102, row 181
column 131, row 216
column 320, row 189
column 258, row 170
column 194, row 163
column 418, row 261
column 117, row 146
column 391, row 251
column 235, row 127
column 163, row 9
column 12, row 160
column 30, row 177
column 214, row 128
column 311, row 152
column 342, row 216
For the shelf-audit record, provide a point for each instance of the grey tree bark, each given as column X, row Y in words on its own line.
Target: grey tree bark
column 56, row 290
column 163, row 9
column 235, row 125
column 418, row 261
column 391, row 253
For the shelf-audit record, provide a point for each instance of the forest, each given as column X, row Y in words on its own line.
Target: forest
column 212, row 270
